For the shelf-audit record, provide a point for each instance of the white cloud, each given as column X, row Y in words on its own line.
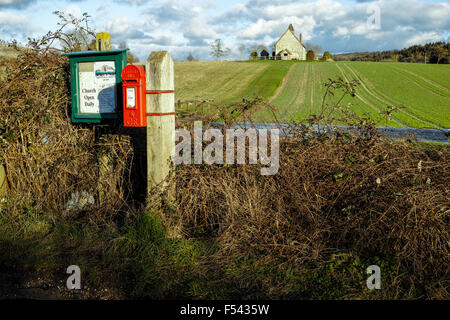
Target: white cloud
column 423, row 37
column 14, row 25
column 180, row 18
column 125, row 29
column 336, row 25
column 132, row 2
column 73, row 10
column 341, row 32
column 12, row 18
column 263, row 28
column 17, row 4
column 199, row 29
column 340, row 26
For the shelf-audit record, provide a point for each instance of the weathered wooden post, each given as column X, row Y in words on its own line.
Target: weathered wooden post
column 160, row 100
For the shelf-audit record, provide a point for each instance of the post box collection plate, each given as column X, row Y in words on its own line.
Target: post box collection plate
column 95, row 78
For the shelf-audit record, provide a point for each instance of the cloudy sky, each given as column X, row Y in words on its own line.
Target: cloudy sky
column 183, row 26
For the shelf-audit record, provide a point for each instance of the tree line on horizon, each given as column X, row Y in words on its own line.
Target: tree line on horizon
column 435, row 53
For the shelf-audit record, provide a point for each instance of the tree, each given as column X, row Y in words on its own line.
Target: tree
column 310, row 55
column 254, row 55
column 131, row 58
column 316, row 48
column 440, row 53
column 241, row 50
column 395, row 57
column 252, row 49
column 190, row 57
column 77, row 38
column 218, row 50
column 327, row 55
column 428, row 53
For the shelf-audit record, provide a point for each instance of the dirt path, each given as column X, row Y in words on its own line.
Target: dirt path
column 311, row 107
column 383, row 98
column 282, row 85
column 298, row 98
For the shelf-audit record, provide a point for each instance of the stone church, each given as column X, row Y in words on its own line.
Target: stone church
column 289, row 47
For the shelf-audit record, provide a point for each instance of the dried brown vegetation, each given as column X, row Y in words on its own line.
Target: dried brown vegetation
column 344, row 194
column 47, row 159
column 339, row 202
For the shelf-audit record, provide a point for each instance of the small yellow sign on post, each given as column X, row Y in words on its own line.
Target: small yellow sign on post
column 103, row 42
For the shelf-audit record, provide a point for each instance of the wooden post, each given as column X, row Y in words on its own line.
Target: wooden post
column 160, row 117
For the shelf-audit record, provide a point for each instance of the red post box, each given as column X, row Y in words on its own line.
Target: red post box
column 134, row 105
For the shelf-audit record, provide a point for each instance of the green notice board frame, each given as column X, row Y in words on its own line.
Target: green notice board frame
column 86, row 59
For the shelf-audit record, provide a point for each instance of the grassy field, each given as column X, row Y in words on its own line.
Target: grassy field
column 227, row 81
column 422, row 91
column 217, row 81
column 7, row 52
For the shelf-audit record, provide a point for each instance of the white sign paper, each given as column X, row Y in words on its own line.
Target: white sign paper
column 98, row 88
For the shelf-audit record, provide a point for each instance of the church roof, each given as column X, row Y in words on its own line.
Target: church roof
column 290, row 29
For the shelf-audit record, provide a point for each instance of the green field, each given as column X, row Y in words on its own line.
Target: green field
column 297, row 89
column 227, row 81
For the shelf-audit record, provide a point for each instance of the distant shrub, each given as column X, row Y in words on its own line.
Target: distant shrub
column 190, row 57
column 327, row 55
column 310, row 55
